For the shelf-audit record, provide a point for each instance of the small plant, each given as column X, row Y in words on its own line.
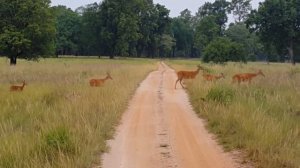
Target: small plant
column 57, row 141
column 221, row 95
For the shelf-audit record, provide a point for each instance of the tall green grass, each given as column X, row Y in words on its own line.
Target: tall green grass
column 59, row 120
column 261, row 119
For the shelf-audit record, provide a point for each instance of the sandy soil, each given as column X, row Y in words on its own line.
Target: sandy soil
column 160, row 130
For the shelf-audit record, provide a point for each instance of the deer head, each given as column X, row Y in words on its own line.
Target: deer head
column 108, row 76
column 260, row 73
column 222, row 75
column 200, row 67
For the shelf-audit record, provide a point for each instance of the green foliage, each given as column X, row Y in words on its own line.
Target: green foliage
column 127, row 27
column 166, row 44
column 28, row 30
column 58, row 140
column 183, row 33
column 67, row 30
column 277, row 23
column 206, row 31
column 222, row 95
column 240, row 9
column 89, row 37
column 218, row 9
column 13, row 42
column 240, row 34
column 222, row 50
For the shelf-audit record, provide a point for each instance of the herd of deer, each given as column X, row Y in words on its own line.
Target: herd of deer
column 243, row 77
column 93, row 83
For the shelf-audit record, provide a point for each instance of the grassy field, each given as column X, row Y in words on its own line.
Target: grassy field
column 262, row 119
column 59, row 120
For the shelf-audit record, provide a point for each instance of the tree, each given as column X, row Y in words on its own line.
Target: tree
column 147, row 25
column 222, row 50
column 218, row 9
column 27, row 29
column 240, row 34
column 186, row 16
column 206, row 31
column 90, row 40
column 163, row 26
column 125, row 28
column 166, row 44
column 277, row 23
column 67, row 30
column 183, row 33
column 240, row 9
column 119, row 26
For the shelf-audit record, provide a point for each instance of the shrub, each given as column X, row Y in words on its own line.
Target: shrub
column 222, row 50
column 57, row 141
column 221, row 95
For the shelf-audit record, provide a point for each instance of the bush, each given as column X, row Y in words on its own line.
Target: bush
column 221, row 95
column 57, row 141
column 222, row 50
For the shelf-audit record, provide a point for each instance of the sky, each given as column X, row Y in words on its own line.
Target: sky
column 175, row 6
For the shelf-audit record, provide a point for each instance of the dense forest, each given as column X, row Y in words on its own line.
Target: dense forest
column 139, row 28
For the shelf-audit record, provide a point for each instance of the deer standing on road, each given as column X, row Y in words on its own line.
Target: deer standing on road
column 209, row 77
column 187, row 75
column 17, row 87
column 99, row 82
column 246, row 77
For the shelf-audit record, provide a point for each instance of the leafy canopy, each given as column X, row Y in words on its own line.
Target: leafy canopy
column 26, row 28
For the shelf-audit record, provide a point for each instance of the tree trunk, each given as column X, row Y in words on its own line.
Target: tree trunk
column 173, row 52
column 140, row 50
column 291, row 52
column 13, row 60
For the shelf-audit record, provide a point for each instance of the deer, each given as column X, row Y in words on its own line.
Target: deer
column 17, row 87
column 209, row 77
column 246, row 77
column 99, row 82
column 187, row 75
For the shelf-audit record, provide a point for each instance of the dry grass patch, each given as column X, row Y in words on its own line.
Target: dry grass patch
column 262, row 119
column 59, row 120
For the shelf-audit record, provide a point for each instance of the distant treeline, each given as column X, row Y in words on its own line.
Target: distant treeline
column 139, row 28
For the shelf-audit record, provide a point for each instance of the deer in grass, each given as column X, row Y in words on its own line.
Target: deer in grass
column 99, row 82
column 209, row 77
column 17, row 87
column 246, row 77
column 187, row 75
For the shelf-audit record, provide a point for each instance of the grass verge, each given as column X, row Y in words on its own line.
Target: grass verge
column 261, row 119
column 59, row 120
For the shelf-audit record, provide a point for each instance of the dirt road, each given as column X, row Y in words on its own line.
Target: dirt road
column 160, row 130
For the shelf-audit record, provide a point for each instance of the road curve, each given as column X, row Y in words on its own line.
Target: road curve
column 160, row 130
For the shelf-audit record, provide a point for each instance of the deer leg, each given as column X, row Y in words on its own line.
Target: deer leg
column 181, row 84
column 176, row 83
